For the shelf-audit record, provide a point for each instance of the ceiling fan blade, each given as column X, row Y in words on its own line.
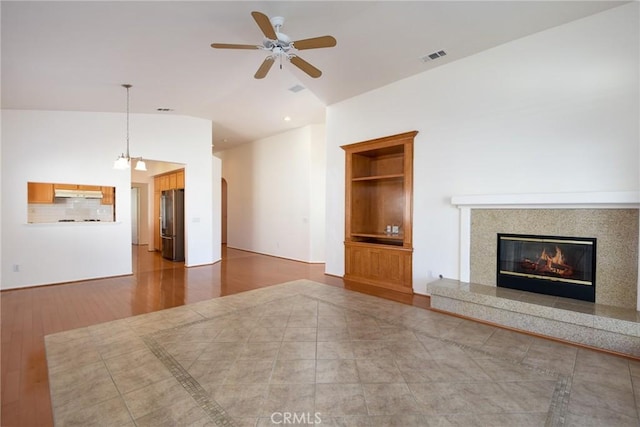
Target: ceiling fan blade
column 233, row 46
column 315, row 43
column 264, row 68
column 265, row 25
column 306, row 67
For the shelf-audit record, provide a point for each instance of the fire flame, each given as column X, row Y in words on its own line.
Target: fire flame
column 555, row 263
column 548, row 264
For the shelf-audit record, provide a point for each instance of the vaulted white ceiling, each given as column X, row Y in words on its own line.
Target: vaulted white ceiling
column 75, row 55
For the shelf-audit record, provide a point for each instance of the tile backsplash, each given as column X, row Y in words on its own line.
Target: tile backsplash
column 76, row 209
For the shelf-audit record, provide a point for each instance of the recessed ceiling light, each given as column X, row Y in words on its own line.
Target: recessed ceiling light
column 296, row 88
column 287, row 119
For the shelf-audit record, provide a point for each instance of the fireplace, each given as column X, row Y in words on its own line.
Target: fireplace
column 552, row 265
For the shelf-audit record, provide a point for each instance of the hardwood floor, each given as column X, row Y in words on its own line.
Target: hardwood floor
column 29, row 314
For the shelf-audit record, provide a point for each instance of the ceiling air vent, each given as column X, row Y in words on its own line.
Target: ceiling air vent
column 434, row 55
column 296, row 88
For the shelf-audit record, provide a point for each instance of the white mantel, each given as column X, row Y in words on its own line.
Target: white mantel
column 602, row 200
column 586, row 200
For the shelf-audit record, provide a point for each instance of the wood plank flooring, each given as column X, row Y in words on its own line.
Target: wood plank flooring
column 29, row 314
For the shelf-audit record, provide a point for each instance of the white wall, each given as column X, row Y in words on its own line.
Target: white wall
column 317, row 191
column 55, row 146
column 275, row 200
column 216, row 212
column 553, row 112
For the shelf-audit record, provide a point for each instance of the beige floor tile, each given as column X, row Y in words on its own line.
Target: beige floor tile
column 340, row 399
column 274, row 321
column 335, row 350
column 303, row 321
column 529, row 419
column 289, row 398
column 111, row 412
column 72, row 354
column 300, row 334
column 81, row 387
column 389, row 399
column 443, row 398
column 551, row 355
column 372, row 349
column 332, row 321
column 336, row 371
column 378, row 371
column 294, row 371
column 259, row 351
column 233, row 334
column 210, row 373
column 333, row 334
column 222, row 351
column 261, row 334
column 599, row 399
column 156, row 396
column 249, row 372
column 181, row 413
column 297, row 350
column 470, row 333
column 244, row 400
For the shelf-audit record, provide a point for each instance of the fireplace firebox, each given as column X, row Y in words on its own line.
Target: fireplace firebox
column 552, row 265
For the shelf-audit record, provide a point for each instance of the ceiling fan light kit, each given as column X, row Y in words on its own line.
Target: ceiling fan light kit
column 280, row 46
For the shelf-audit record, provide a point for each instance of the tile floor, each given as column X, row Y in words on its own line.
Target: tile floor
column 304, row 353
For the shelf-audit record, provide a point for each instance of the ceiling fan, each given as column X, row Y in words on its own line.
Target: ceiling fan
column 280, row 46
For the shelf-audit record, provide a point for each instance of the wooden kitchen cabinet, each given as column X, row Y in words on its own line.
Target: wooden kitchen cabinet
column 90, row 187
column 180, row 179
column 157, row 238
column 77, row 187
column 39, row 192
column 65, row 186
column 378, row 212
column 108, row 195
column 172, row 181
column 164, row 182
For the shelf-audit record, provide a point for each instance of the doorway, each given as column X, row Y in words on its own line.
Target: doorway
column 135, row 216
column 223, row 234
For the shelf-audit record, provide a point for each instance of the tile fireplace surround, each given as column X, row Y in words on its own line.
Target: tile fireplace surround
column 612, row 323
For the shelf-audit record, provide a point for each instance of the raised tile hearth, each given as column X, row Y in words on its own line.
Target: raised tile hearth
column 601, row 326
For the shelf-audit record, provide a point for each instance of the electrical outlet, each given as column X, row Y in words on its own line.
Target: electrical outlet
column 16, row 268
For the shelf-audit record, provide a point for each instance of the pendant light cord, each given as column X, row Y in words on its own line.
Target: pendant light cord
column 127, row 86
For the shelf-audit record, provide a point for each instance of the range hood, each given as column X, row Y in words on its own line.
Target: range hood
column 82, row 194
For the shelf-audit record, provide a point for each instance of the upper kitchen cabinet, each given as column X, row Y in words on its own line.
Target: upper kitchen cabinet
column 169, row 181
column 39, row 192
column 180, row 179
column 108, row 195
column 77, row 187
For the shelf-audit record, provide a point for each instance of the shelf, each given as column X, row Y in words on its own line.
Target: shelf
column 380, row 236
column 379, row 177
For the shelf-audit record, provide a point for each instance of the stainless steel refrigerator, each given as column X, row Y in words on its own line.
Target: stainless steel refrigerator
column 172, row 224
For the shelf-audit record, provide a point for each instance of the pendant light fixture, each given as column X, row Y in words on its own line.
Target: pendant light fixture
column 124, row 161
